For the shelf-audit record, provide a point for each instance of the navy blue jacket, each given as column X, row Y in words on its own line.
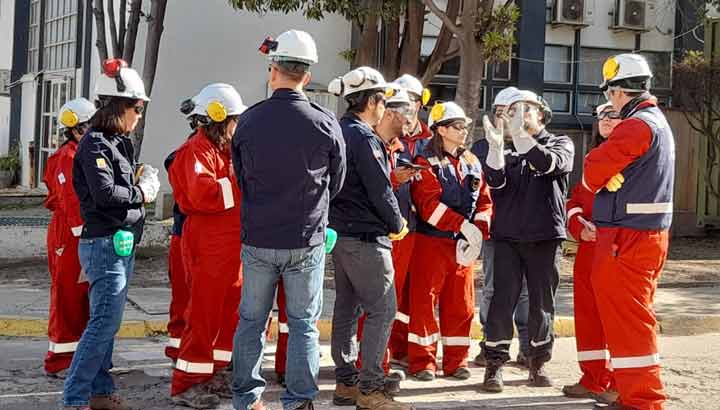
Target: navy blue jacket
column 366, row 207
column 289, row 158
column 178, row 216
column 103, row 176
column 529, row 193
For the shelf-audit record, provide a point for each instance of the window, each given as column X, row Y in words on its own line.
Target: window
column 4, row 81
column 559, row 101
column 660, row 64
column 60, row 34
column 446, row 92
column 501, row 70
column 591, row 62
column 588, row 101
column 34, row 36
column 558, row 64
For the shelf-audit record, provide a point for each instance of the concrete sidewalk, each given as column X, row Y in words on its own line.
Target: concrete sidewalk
column 24, row 311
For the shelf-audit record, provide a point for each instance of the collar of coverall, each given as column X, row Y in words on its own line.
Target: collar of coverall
column 288, row 94
column 423, row 134
column 642, row 101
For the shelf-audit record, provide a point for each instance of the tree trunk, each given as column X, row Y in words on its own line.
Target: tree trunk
column 113, row 28
column 366, row 54
column 392, row 49
column 101, row 43
column 412, row 38
column 152, row 49
column 440, row 53
column 132, row 30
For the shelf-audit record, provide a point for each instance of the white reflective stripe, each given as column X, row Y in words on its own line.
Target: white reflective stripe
column 552, row 164
column 227, row 193
column 434, row 161
column 76, row 230
column 573, row 212
column 437, row 214
column 635, row 362
column 283, row 327
column 61, row 178
column 547, row 340
column 423, row 341
column 456, row 341
column 190, row 367
column 498, row 343
column 588, row 355
column 402, row 317
column 657, row 208
column 482, row 216
column 501, row 186
column 62, row 347
column 222, row 355
column 174, row 342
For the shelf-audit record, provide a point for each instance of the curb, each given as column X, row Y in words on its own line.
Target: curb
column 564, row 327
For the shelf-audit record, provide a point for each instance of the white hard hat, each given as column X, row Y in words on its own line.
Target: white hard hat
column 446, row 111
column 602, row 107
column 76, row 112
column 626, row 66
column 523, row 96
column 358, row 80
column 118, row 80
column 503, row 97
column 218, row 101
column 400, row 95
column 292, row 45
column 411, row 84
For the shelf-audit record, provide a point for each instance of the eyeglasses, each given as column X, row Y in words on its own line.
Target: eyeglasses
column 460, row 126
column 407, row 112
column 609, row 115
column 139, row 109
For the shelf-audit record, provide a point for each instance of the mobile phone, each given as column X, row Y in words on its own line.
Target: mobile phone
column 404, row 163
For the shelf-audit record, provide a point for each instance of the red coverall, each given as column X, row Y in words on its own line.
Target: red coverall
column 69, row 305
column 282, row 341
column 626, row 269
column 206, row 190
column 593, row 354
column 180, row 297
column 437, row 277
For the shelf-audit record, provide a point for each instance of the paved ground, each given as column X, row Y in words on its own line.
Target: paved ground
column 691, row 374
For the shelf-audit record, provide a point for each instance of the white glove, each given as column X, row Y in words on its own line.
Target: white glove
column 149, row 183
column 466, row 254
column 522, row 139
column 494, row 136
column 472, row 233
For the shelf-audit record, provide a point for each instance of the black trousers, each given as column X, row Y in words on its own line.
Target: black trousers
column 538, row 262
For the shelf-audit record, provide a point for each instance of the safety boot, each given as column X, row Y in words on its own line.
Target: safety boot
column 493, row 381
column 111, row 402
column 220, row 385
column 392, row 381
column 425, row 375
column 196, row 397
column 380, row 400
column 462, row 373
column 345, row 395
column 578, row 391
column 538, row 375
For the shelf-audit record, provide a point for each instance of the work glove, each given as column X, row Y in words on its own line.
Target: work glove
column 471, row 233
column 466, row 254
column 494, row 136
column 522, row 139
column 615, row 182
column 400, row 235
column 589, row 231
column 148, row 183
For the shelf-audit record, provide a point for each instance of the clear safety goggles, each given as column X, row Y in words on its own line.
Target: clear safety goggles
column 407, row 112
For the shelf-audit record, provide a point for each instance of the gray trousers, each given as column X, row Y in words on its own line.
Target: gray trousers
column 363, row 284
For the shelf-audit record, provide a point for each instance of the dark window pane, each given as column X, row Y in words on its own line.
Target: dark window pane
column 559, row 101
column 558, row 64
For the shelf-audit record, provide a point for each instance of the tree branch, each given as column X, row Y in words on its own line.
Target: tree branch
column 123, row 26
column 442, row 44
column 451, row 25
column 132, row 30
column 101, row 43
column 113, row 28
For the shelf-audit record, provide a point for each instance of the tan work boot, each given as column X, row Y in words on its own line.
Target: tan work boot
column 345, row 395
column 196, row 397
column 220, row 386
column 578, row 391
column 111, row 402
column 379, row 400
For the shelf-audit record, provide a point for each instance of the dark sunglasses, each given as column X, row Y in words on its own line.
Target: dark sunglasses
column 139, row 109
column 610, row 115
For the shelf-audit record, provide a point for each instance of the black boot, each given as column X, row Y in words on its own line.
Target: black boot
column 493, row 381
column 538, row 375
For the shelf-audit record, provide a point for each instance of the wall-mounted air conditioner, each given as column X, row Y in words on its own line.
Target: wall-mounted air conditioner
column 630, row 15
column 573, row 12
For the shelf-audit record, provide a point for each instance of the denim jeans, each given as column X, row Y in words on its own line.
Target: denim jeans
column 364, row 282
column 520, row 315
column 109, row 275
column 302, row 272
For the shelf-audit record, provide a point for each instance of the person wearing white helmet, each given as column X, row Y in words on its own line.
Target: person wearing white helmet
column 529, row 180
column 632, row 175
column 205, row 189
column 112, row 189
column 454, row 210
column 289, row 157
column 367, row 218
column 69, row 293
column 596, row 381
column 520, row 316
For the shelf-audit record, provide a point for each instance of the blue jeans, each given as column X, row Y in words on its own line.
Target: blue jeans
column 302, row 272
column 109, row 275
column 520, row 315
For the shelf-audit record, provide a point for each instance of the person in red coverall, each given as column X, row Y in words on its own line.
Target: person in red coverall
column 205, row 188
column 454, row 213
column 593, row 356
column 632, row 175
column 69, row 309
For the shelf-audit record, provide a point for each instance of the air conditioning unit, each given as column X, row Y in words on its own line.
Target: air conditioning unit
column 630, row 15
column 573, row 12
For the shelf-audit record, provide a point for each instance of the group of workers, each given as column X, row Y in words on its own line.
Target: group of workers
column 262, row 191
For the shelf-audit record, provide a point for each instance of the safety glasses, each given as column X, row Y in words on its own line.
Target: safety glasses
column 407, row 112
column 459, row 126
column 610, row 115
column 139, row 109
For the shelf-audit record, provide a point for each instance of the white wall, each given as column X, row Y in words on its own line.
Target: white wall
column 7, row 19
